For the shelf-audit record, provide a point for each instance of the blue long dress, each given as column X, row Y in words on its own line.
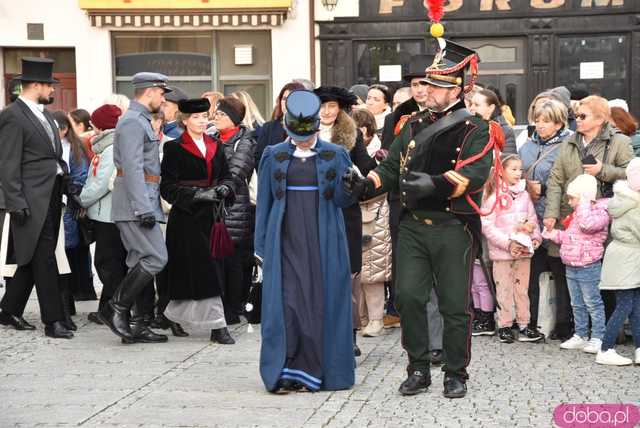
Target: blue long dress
column 306, row 298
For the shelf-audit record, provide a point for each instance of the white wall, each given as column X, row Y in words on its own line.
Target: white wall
column 290, row 47
column 67, row 26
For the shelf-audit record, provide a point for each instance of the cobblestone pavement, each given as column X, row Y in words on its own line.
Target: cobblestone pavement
column 94, row 381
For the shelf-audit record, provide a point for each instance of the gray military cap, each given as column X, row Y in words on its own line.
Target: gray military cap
column 176, row 95
column 147, row 79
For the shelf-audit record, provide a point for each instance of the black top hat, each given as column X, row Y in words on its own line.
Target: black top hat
column 303, row 114
column 37, row 70
column 417, row 66
column 194, row 105
column 342, row 96
column 449, row 66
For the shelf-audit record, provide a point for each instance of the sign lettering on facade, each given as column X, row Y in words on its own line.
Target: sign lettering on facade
column 388, row 7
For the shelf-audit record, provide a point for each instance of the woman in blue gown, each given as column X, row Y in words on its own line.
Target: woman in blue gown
column 300, row 240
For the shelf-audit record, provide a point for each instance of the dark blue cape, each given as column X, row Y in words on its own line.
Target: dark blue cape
column 338, row 359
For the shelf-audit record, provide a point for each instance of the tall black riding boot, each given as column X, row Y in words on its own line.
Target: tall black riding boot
column 116, row 313
column 68, row 305
column 140, row 322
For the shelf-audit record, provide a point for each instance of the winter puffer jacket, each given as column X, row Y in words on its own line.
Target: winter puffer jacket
column 240, row 153
column 582, row 243
column 620, row 268
column 96, row 194
column 376, row 241
column 500, row 226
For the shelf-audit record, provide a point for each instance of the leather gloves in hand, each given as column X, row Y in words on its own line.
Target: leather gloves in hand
column 415, row 186
column 147, row 221
column 354, row 184
column 223, row 191
column 209, row 194
column 69, row 187
column 20, row 216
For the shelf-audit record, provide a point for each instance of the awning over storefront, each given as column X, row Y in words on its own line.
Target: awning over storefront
column 178, row 13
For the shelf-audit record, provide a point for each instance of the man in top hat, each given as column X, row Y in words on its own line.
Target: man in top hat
column 136, row 211
column 439, row 163
column 33, row 177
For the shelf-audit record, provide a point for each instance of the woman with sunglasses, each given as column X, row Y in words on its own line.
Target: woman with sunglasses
column 598, row 149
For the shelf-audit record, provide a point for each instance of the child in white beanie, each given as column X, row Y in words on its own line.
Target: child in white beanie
column 621, row 270
column 581, row 250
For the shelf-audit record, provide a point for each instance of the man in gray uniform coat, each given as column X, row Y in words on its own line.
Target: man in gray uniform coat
column 136, row 210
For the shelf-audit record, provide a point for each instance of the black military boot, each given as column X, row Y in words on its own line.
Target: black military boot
column 116, row 313
column 455, row 386
column 222, row 336
column 356, row 351
column 140, row 327
column 418, row 381
column 68, row 305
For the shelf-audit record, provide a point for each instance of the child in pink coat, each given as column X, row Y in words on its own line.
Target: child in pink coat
column 512, row 234
column 581, row 250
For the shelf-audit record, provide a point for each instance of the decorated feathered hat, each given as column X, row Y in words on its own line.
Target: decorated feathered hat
column 452, row 60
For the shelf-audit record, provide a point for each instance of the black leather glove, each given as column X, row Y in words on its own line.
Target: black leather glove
column 69, row 187
column 148, row 221
column 223, row 191
column 257, row 261
column 415, row 186
column 20, row 216
column 354, row 184
column 209, row 194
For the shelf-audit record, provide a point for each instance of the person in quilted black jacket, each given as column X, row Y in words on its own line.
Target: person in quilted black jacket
column 239, row 147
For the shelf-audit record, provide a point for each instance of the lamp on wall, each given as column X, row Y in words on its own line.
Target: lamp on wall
column 329, row 4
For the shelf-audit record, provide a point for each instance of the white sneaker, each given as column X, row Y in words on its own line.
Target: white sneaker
column 611, row 358
column 638, row 356
column 576, row 342
column 373, row 329
column 593, row 346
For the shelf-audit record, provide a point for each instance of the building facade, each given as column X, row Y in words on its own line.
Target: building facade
column 202, row 45
column 525, row 46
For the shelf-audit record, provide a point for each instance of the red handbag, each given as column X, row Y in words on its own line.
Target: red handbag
column 220, row 240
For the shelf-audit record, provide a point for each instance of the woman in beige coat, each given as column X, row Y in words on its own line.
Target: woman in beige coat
column 376, row 242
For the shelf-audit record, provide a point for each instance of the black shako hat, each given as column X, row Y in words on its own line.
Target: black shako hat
column 37, row 70
column 302, row 119
column 194, row 105
column 342, row 96
column 449, row 66
column 417, row 66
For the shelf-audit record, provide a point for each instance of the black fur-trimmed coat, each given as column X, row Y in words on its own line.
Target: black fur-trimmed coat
column 345, row 133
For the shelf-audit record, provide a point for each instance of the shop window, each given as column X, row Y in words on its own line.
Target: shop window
column 599, row 64
column 186, row 58
column 371, row 54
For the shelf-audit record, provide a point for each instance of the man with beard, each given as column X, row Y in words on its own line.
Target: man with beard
column 33, row 177
column 439, row 163
column 136, row 212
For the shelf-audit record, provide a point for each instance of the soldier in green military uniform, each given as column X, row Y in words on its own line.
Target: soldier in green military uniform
column 439, row 162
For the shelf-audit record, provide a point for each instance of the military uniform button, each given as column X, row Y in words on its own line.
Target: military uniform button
column 447, row 209
column 457, row 149
column 404, row 193
column 453, row 161
column 466, row 122
column 404, row 181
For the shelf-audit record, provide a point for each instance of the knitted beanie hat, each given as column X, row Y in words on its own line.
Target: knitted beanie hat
column 633, row 174
column 584, row 184
column 106, row 116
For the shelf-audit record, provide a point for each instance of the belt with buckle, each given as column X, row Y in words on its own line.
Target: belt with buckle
column 147, row 178
column 431, row 222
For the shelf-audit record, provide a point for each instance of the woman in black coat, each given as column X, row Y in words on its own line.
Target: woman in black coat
column 195, row 177
column 272, row 132
column 239, row 148
column 337, row 127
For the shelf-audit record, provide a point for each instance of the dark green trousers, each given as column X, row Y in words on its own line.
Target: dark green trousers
column 440, row 257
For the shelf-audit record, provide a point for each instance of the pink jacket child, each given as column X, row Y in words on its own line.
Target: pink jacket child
column 517, row 222
column 586, row 230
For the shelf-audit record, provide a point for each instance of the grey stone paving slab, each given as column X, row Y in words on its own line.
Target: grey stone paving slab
column 95, row 381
